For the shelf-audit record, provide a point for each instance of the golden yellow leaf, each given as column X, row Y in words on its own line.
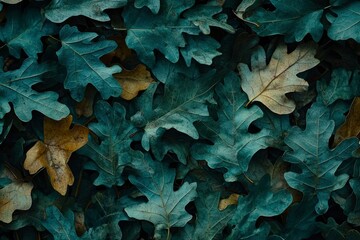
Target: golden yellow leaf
column 133, row 81
column 269, row 84
column 14, row 196
column 351, row 126
column 85, row 107
column 231, row 200
column 54, row 153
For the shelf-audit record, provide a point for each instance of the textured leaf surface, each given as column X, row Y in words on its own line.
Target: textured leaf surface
column 153, row 5
column 233, row 146
column 81, row 56
column 261, row 201
column 293, row 19
column 165, row 207
column 268, row 84
column 15, row 195
column 16, row 88
column 311, row 153
column 54, row 152
column 114, row 152
column 23, row 30
column 60, row 10
column 347, row 23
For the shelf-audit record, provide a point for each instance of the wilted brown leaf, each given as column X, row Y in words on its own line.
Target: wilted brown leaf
column 133, row 81
column 231, row 200
column 54, row 153
column 122, row 52
column 351, row 126
column 269, row 84
column 85, row 107
column 14, row 196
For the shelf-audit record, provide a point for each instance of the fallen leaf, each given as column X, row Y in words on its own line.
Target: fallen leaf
column 231, row 200
column 54, row 153
column 269, row 84
column 11, row 1
column 14, row 196
column 122, row 52
column 351, row 126
column 133, row 81
column 85, row 107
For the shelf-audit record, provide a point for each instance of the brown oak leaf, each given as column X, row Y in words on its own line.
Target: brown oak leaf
column 60, row 141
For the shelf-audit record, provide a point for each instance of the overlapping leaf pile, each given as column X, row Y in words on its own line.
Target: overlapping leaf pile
column 179, row 119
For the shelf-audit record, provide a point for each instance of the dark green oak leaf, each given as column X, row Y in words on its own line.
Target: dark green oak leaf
column 153, row 5
column 310, row 152
column 114, row 152
column 210, row 221
column 346, row 23
column 331, row 230
column 233, row 146
column 80, row 55
column 343, row 84
column 60, row 10
column 16, row 88
column 293, row 19
column 23, row 30
column 178, row 107
column 165, row 207
column 261, row 201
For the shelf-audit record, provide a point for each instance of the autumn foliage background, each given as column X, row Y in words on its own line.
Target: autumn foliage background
column 179, row 119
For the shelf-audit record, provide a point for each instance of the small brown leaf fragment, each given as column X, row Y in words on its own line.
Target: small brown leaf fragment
column 133, row 81
column 231, row 200
column 85, row 107
column 14, row 196
column 122, row 52
column 54, row 153
column 351, row 126
column 269, row 84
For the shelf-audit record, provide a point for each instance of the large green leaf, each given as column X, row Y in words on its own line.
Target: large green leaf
column 294, row 19
column 178, row 108
column 153, row 5
column 311, row 153
column 60, row 10
column 16, row 88
column 261, row 201
column 23, row 30
column 165, row 207
column 233, row 146
column 346, row 24
column 80, row 55
column 114, row 151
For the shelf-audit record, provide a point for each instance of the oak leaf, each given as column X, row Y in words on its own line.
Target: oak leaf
column 54, row 152
column 133, row 81
column 231, row 200
column 269, row 84
column 14, row 196
column 351, row 126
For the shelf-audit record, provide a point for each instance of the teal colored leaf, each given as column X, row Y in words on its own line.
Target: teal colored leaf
column 311, row 154
column 233, row 146
column 354, row 215
column 202, row 49
column 60, row 10
column 80, row 55
column 16, row 88
column 114, row 152
column 334, row 231
column 342, row 85
column 164, row 31
column 260, row 201
column 153, row 5
column 346, row 24
column 178, row 108
column 208, row 15
column 293, row 19
column 23, row 30
column 165, row 207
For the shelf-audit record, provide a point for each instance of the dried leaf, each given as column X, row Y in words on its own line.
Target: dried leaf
column 14, row 196
column 351, row 126
column 269, row 84
column 231, row 200
column 133, row 81
column 122, row 52
column 54, row 153
column 85, row 107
